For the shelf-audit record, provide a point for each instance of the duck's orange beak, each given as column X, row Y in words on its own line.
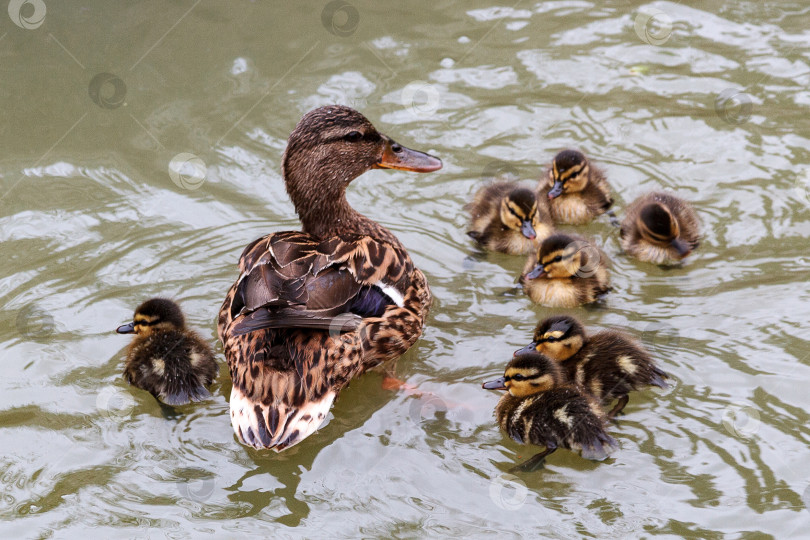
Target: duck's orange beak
column 396, row 156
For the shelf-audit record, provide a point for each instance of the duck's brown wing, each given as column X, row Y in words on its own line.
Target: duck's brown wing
column 293, row 280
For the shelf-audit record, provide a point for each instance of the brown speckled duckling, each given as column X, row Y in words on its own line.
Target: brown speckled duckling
column 508, row 218
column 567, row 271
column 660, row 228
column 609, row 364
column 576, row 189
column 166, row 359
column 542, row 408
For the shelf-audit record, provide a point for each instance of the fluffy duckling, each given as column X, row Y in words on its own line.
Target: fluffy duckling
column 508, row 218
column 608, row 365
column 541, row 408
column 576, row 189
column 660, row 228
column 166, row 359
column 567, row 271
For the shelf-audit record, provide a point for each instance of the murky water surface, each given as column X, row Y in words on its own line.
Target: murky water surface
column 100, row 98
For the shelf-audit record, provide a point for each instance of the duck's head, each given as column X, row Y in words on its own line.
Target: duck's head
column 569, row 173
column 558, row 337
column 563, row 256
column 333, row 145
column 527, row 374
column 157, row 313
column 519, row 212
column 658, row 226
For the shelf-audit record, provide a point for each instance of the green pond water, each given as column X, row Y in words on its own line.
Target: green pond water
column 141, row 147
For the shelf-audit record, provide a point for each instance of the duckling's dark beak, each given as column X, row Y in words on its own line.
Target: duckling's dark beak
column 497, row 384
column 536, row 272
column 396, row 156
column 530, row 348
column 527, row 230
column 681, row 247
column 556, row 191
column 128, row 328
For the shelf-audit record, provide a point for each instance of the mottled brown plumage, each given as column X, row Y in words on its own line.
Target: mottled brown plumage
column 608, row 365
column 576, row 189
column 166, row 359
column 508, row 218
column 660, row 228
column 313, row 309
column 542, row 408
column 567, row 271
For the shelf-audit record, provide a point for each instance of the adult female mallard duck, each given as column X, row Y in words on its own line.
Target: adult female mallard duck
column 506, row 217
column 167, row 359
column 313, row 309
column 660, row 228
column 540, row 407
column 567, row 271
column 576, row 189
column 609, row 364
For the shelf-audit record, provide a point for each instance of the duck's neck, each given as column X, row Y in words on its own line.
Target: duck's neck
column 326, row 212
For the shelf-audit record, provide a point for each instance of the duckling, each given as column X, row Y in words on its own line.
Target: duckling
column 567, row 271
column 608, row 364
column 541, row 408
column 508, row 218
column 576, row 189
column 660, row 228
column 166, row 359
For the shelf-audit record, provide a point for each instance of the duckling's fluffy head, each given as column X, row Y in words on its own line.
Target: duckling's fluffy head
column 559, row 337
column 530, row 373
column 519, row 212
column 157, row 313
column 657, row 224
column 564, row 256
column 569, row 173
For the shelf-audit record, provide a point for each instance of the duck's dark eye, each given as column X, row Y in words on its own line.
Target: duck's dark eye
column 558, row 258
column 354, row 136
column 517, row 377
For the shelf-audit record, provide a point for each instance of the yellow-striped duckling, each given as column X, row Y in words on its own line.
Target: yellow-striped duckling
column 576, row 189
column 508, row 218
column 167, row 359
column 608, row 365
column 567, row 271
column 660, row 228
column 540, row 407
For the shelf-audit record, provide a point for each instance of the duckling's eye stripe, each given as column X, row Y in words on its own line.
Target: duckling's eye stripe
column 565, row 175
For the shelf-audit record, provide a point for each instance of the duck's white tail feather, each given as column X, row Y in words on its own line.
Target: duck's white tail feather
column 276, row 426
